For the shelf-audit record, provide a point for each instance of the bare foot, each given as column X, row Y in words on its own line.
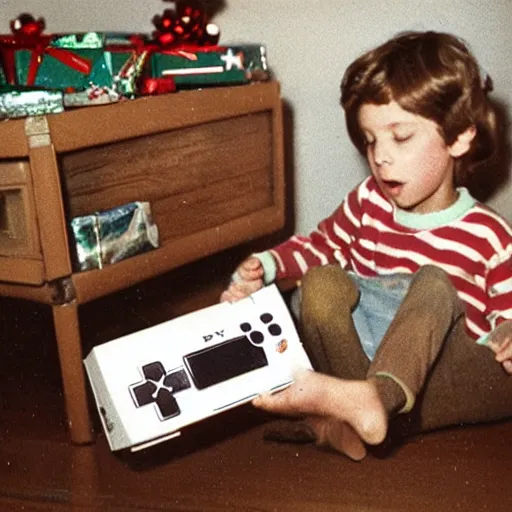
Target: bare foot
column 355, row 402
column 324, row 432
column 339, row 436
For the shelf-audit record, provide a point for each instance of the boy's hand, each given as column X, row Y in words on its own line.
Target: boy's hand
column 250, row 279
column 500, row 342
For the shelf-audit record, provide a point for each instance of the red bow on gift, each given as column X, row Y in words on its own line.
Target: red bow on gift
column 186, row 24
column 27, row 35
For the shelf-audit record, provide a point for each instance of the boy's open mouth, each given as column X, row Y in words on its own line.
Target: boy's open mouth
column 393, row 186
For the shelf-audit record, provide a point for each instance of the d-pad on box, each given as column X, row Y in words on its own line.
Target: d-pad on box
column 151, row 384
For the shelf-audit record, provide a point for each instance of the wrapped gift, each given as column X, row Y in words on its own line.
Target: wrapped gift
column 15, row 103
column 255, row 61
column 95, row 68
column 214, row 65
column 93, row 95
column 107, row 237
column 126, row 55
column 70, row 61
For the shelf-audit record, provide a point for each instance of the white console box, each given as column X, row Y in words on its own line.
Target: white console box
column 152, row 383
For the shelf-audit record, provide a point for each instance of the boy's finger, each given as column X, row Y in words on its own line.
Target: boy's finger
column 233, row 294
column 503, row 356
column 228, row 296
column 251, row 270
column 241, row 288
column 252, row 263
column 494, row 345
column 251, row 275
column 225, row 296
column 504, row 352
column 252, row 286
column 249, row 266
column 505, row 346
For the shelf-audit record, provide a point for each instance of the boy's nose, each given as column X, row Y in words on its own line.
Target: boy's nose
column 381, row 154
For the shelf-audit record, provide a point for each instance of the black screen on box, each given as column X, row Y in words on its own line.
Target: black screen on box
column 224, row 361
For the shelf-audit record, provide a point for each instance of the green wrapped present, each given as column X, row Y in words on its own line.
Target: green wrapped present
column 14, row 103
column 77, row 62
column 71, row 61
column 107, row 237
column 215, row 65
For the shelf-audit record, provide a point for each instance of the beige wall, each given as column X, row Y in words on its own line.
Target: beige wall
column 309, row 44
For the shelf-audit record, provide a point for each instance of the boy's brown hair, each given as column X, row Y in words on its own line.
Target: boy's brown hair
column 430, row 74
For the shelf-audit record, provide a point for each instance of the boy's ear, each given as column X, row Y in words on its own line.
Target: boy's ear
column 463, row 142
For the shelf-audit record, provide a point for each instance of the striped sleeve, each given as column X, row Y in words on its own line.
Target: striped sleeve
column 499, row 288
column 329, row 243
column 492, row 237
column 500, row 294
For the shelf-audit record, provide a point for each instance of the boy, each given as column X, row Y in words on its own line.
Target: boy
column 409, row 282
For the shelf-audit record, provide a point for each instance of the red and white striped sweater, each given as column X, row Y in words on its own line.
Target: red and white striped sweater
column 368, row 235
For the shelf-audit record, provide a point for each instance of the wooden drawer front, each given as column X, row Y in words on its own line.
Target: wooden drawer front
column 18, row 229
column 196, row 177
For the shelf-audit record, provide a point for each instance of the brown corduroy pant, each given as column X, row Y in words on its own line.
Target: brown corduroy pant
column 426, row 363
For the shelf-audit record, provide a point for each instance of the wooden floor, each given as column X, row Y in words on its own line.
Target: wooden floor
column 222, row 464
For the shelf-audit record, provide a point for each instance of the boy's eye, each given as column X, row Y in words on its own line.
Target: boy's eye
column 402, row 138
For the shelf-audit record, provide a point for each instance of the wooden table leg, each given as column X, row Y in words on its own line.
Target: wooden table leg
column 67, row 331
column 85, row 481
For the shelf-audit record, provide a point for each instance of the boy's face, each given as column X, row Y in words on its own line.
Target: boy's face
column 408, row 157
